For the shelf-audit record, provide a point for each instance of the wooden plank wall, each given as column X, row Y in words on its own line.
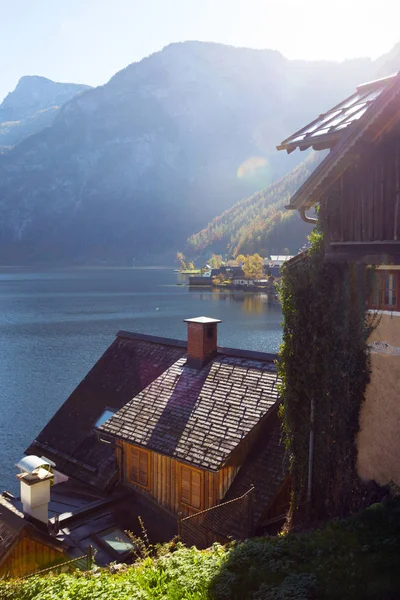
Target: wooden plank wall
column 363, row 205
column 164, row 481
column 28, row 556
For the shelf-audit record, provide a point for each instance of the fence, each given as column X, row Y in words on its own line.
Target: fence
column 84, row 563
column 221, row 523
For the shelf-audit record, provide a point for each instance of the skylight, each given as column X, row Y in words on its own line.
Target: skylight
column 105, row 415
column 117, row 540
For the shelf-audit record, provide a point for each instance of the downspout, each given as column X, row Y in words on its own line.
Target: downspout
column 304, row 217
column 310, row 452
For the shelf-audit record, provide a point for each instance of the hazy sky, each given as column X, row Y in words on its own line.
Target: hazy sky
column 87, row 41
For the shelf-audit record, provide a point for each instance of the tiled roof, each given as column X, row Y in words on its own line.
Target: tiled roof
column 126, row 368
column 327, row 129
column 199, row 416
column 266, row 468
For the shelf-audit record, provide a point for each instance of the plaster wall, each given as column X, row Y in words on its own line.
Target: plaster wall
column 378, row 441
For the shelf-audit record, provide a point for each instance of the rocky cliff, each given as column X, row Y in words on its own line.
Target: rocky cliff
column 32, row 106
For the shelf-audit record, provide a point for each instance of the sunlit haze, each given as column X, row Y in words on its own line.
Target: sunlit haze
column 87, row 41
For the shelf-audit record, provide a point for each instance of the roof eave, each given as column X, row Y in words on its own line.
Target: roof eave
column 312, row 189
column 323, row 142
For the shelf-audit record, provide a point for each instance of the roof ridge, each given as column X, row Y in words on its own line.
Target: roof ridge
column 165, row 341
column 154, row 339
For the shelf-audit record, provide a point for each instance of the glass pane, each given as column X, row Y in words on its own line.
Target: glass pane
column 118, row 540
column 105, row 415
column 390, row 290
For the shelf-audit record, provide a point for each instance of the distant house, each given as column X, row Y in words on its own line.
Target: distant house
column 165, row 429
column 273, row 264
column 357, row 187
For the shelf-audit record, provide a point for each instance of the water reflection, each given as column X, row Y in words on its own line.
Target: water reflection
column 252, row 302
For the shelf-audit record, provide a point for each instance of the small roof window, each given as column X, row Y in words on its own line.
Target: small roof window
column 116, row 539
column 105, row 415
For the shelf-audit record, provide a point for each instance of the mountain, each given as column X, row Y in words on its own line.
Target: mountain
column 260, row 223
column 127, row 171
column 389, row 63
column 32, row 106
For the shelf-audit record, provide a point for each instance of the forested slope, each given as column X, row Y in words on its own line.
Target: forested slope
column 260, row 223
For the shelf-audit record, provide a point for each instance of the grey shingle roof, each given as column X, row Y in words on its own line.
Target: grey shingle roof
column 266, row 468
column 127, row 367
column 199, row 416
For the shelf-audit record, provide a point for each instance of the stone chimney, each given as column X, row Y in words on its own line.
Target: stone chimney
column 35, row 479
column 202, row 341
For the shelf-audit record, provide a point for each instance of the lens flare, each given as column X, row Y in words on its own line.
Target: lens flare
column 255, row 171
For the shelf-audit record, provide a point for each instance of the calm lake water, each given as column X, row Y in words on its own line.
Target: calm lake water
column 54, row 325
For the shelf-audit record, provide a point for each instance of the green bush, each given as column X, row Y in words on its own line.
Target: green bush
column 353, row 559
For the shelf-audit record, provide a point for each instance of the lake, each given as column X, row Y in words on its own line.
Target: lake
column 54, row 325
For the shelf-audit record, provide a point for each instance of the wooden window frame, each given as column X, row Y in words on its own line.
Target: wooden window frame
column 381, row 274
column 147, row 453
column 192, row 470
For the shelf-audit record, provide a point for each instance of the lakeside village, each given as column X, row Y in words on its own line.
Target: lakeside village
column 250, row 273
column 230, row 446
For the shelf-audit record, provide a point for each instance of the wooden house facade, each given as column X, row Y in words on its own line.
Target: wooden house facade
column 24, row 548
column 357, row 189
column 184, row 438
column 173, row 424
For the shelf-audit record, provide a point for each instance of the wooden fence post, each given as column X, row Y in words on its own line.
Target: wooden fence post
column 179, row 525
column 90, row 557
column 250, row 510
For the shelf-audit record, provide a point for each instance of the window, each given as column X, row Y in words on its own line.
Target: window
column 117, row 540
column 139, row 467
column 384, row 292
column 191, row 487
column 105, row 415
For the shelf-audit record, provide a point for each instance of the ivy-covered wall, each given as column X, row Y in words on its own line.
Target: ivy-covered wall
column 324, row 364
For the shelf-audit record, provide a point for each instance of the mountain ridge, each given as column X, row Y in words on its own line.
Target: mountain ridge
column 128, row 170
column 32, row 106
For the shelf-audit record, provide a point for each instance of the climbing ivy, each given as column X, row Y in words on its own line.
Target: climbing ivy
column 324, row 359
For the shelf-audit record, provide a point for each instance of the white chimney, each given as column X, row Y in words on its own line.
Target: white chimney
column 35, row 479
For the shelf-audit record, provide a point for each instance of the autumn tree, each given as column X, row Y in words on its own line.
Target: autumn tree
column 215, row 261
column 252, row 265
column 181, row 259
column 191, row 266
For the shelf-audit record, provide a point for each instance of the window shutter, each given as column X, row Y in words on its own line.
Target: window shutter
column 140, row 467
column 185, row 485
column 143, row 468
column 196, row 489
column 135, row 465
column 191, row 487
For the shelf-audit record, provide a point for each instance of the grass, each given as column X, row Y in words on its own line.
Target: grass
column 353, row 559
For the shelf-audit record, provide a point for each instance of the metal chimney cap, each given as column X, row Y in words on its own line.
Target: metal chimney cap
column 203, row 320
column 30, row 463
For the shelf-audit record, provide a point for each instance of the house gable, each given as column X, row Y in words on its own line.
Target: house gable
column 198, row 416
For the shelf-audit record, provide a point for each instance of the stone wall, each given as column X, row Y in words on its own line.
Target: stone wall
column 378, row 440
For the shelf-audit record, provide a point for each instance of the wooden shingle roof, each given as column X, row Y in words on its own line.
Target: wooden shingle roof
column 128, row 366
column 199, row 416
column 266, row 468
